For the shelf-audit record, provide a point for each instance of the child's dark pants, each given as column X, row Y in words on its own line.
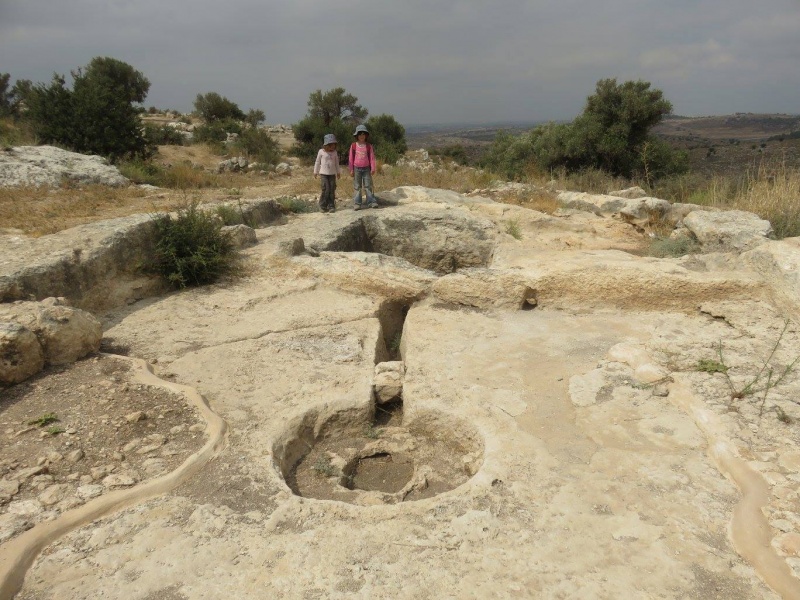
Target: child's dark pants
column 327, row 199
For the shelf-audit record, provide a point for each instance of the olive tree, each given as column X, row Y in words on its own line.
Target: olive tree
column 336, row 104
column 212, row 107
column 613, row 134
column 338, row 112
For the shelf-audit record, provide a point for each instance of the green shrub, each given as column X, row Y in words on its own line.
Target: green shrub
column 453, row 151
column 45, row 419
column 612, row 134
column 216, row 132
column 510, row 156
column 163, row 135
column 213, row 107
column 96, row 116
column 15, row 133
column 142, row 172
column 229, row 215
column 259, row 145
column 309, row 132
column 388, row 136
column 191, row 249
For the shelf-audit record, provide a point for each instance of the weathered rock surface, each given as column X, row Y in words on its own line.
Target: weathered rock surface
column 64, row 333
column 631, row 192
column 21, row 354
column 602, row 446
column 486, row 288
column 242, row 236
column 388, row 381
column 97, row 266
column 638, row 210
column 779, row 263
column 728, row 230
column 93, row 266
column 33, row 334
column 48, row 165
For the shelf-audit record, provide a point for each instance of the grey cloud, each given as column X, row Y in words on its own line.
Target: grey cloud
column 437, row 61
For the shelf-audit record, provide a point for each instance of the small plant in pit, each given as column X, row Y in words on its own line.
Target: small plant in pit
column 45, row 419
column 324, row 467
column 191, row 249
column 55, row 429
column 372, row 432
column 394, row 345
column 768, row 377
column 513, row 229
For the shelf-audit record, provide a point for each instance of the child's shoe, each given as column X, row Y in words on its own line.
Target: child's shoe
column 357, row 207
column 373, row 205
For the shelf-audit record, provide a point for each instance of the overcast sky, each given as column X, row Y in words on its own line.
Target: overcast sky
column 432, row 61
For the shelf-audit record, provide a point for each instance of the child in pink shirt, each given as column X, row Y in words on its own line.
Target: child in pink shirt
column 362, row 168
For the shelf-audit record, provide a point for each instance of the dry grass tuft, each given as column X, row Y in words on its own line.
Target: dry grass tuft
column 774, row 194
column 461, row 181
column 43, row 210
column 771, row 190
column 589, row 180
column 540, row 200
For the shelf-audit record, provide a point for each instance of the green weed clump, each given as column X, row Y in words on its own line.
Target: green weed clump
column 768, row 377
column 191, row 248
column 163, row 135
column 706, row 365
column 45, row 419
column 296, row 205
column 513, row 229
column 665, row 247
column 324, row 467
column 142, row 172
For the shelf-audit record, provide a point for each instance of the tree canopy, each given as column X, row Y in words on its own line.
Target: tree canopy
column 612, row 134
column 336, row 104
column 338, row 112
column 388, row 137
column 6, row 96
column 212, row 107
column 97, row 115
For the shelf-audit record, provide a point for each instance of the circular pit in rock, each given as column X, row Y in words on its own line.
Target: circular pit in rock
column 379, row 457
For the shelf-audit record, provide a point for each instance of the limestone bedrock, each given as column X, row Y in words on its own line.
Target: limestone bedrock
column 591, row 484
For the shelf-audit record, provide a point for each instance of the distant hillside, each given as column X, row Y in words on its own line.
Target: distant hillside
column 437, row 136
column 716, row 144
column 745, row 127
column 731, row 144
